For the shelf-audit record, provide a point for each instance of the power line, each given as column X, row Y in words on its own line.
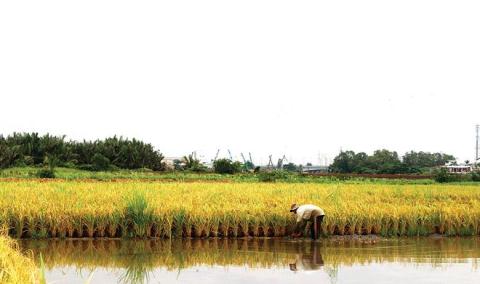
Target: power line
column 476, row 146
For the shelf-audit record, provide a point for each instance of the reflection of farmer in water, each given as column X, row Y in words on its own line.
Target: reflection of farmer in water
column 308, row 257
column 307, row 215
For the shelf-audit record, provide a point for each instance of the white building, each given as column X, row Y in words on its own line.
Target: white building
column 170, row 161
column 459, row 169
column 314, row 169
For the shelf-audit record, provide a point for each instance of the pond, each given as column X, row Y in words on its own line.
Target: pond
column 408, row 260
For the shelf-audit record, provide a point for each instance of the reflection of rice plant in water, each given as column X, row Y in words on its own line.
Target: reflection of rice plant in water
column 138, row 268
column 138, row 258
column 135, row 274
column 332, row 272
column 169, row 210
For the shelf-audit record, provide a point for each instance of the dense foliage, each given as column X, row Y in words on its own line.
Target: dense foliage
column 272, row 176
column 27, row 149
column 191, row 163
column 387, row 162
column 226, row 166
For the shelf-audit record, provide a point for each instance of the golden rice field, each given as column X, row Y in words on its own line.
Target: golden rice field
column 68, row 209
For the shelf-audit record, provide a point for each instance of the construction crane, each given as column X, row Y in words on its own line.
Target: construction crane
column 281, row 161
column 216, row 156
column 245, row 164
column 270, row 163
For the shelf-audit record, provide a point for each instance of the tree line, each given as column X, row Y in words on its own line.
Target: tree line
column 31, row 149
column 387, row 162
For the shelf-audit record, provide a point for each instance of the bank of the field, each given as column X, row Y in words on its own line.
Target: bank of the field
column 33, row 209
column 185, row 176
column 15, row 268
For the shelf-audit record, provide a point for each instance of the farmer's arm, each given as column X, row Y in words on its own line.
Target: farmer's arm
column 299, row 227
column 298, row 220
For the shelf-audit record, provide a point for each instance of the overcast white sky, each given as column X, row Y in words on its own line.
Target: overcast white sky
column 304, row 78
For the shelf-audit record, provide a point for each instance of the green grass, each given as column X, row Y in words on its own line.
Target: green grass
column 73, row 174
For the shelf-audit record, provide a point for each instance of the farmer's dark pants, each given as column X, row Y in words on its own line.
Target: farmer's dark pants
column 318, row 223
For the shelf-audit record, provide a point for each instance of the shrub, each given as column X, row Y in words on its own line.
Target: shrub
column 86, row 167
column 20, row 163
column 476, row 176
column 267, row 177
column 46, row 173
column 272, row 176
column 291, row 167
column 28, row 160
column 193, row 164
column 443, row 176
column 70, row 164
column 199, row 169
column 100, row 162
column 226, row 166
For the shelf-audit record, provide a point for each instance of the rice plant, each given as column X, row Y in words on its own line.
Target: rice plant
column 64, row 209
column 14, row 266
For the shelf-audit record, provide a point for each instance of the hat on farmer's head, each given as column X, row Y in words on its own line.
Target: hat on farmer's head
column 293, row 207
column 293, row 266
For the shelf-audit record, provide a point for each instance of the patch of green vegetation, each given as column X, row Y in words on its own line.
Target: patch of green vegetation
column 188, row 176
column 138, row 215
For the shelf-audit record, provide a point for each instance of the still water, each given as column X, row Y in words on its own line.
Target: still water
column 412, row 260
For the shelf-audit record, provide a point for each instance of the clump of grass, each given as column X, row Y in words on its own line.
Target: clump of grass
column 179, row 220
column 46, row 173
column 272, row 176
column 138, row 216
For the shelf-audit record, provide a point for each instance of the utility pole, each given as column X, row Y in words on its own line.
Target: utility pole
column 476, row 148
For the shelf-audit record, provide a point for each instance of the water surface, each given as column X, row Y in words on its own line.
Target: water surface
column 423, row 260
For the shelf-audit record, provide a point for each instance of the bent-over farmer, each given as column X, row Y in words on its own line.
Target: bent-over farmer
column 307, row 215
